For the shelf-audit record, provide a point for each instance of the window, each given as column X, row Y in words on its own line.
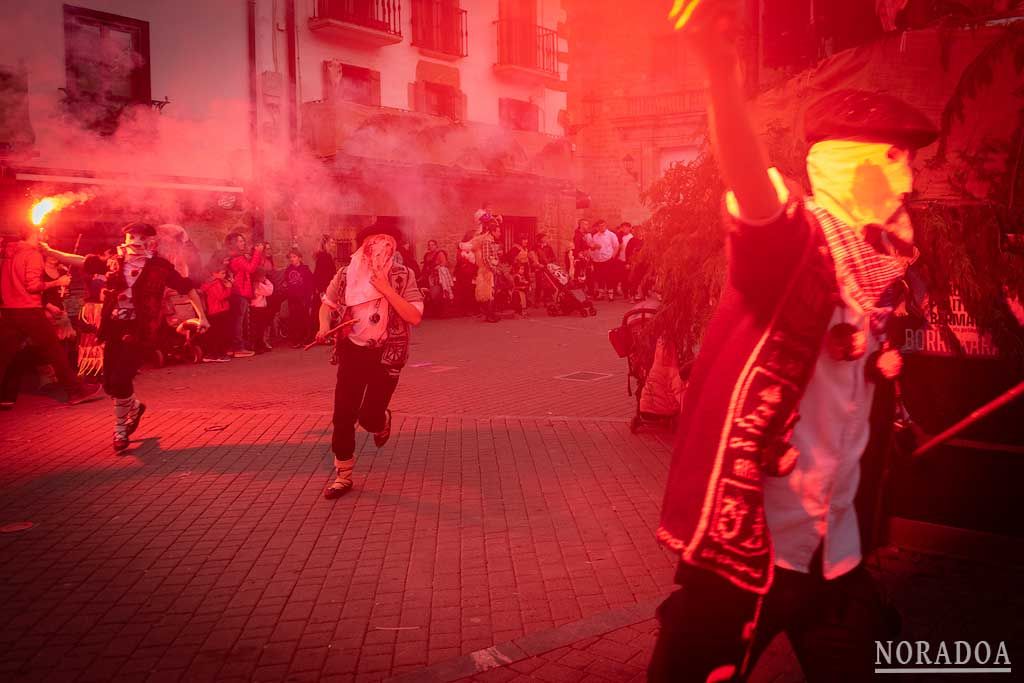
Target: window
column 107, row 65
column 441, row 100
column 351, row 84
column 518, row 115
column 440, row 26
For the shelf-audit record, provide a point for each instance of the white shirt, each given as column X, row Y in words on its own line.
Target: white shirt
column 814, row 504
column 365, row 332
column 622, row 245
column 604, row 245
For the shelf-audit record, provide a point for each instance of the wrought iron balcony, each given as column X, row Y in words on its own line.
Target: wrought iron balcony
column 371, row 22
column 440, row 26
column 523, row 46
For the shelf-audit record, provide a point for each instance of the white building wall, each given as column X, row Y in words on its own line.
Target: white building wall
column 397, row 63
column 198, row 60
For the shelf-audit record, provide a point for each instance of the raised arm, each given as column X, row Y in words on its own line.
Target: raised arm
column 711, row 32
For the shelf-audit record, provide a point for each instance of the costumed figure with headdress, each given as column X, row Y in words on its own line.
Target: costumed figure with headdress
column 130, row 317
column 760, row 495
column 377, row 300
column 487, row 254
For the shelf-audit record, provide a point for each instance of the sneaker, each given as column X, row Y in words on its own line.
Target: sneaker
column 244, row 353
column 134, row 423
column 338, row 488
column 87, row 392
column 6, row 405
column 211, row 359
column 120, row 443
column 380, row 438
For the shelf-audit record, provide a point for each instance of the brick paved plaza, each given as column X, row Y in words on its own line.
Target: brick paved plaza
column 505, row 531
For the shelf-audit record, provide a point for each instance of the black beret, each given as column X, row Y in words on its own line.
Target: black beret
column 139, row 228
column 378, row 229
column 863, row 115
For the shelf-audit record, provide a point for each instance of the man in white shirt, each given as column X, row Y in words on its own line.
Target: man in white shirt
column 604, row 246
column 759, row 501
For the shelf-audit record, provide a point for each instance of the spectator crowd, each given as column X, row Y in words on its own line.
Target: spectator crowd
column 253, row 300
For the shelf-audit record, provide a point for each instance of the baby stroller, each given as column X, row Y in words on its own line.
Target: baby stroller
column 176, row 339
column 570, row 296
column 633, row 341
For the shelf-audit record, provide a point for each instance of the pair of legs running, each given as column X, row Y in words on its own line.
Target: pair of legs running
column 361, row 395
column 123, row 355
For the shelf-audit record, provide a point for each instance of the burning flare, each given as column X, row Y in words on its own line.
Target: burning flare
column 47, row 205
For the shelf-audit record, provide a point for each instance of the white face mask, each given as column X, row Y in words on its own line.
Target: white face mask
column 861, row 183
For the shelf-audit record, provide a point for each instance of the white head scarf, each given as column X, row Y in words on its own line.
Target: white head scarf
column 376, row 255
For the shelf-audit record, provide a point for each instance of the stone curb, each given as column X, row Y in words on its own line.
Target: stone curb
column 530, row 645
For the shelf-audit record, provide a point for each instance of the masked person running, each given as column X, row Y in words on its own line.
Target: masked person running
column 760, row 495
column 131, row 315
column 383, row 300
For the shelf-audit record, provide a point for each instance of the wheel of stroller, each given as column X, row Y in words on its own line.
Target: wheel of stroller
column 158, row 358
column 634, row 424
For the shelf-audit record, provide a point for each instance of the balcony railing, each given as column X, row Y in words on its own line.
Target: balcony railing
column 527, row 46
column 440, row 26
column 379, row 15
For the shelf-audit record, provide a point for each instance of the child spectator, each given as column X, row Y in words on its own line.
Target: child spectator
column 429, row 261
column 262, row 288
column 299, row 288
column 520, row 288
column 442, row 285
column 217, row 290
column 241, row 268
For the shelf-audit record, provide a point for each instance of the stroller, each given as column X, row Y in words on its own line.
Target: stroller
column 176, row 340
column 570, row 297
column 633, row 341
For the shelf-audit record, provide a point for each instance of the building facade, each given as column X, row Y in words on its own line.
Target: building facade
column 636, row 102
column 141, row 109
column 420, row 112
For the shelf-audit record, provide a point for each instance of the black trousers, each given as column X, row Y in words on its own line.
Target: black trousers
column 259, row 321
column 123, row 355
column 19, row 324
column 361, row 395
column 298, row 320
column 832, row 625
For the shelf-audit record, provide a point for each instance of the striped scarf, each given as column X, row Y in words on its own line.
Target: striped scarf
column 864, row 274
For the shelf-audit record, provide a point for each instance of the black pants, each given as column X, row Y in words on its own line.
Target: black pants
column 832, row 625
column 260, row 318
column 604, row 274
column 362, row 394
column 19, row 324
column 298, row 321
column 216, row 339
column 123, row 355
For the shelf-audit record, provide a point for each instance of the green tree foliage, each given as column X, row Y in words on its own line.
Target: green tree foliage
column 684, row 247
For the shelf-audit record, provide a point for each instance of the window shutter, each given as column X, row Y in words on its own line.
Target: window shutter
column 460, row 105
column 375, row 88
column 532, row 118
column 503, row 112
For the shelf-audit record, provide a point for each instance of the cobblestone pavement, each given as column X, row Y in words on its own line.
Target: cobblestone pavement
column 511, row 512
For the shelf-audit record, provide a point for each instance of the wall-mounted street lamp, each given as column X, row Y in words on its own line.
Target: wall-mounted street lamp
column 629, row 166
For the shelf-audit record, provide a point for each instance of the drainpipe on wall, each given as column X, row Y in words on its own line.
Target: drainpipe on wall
column 293, row 89
column 256, row 192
